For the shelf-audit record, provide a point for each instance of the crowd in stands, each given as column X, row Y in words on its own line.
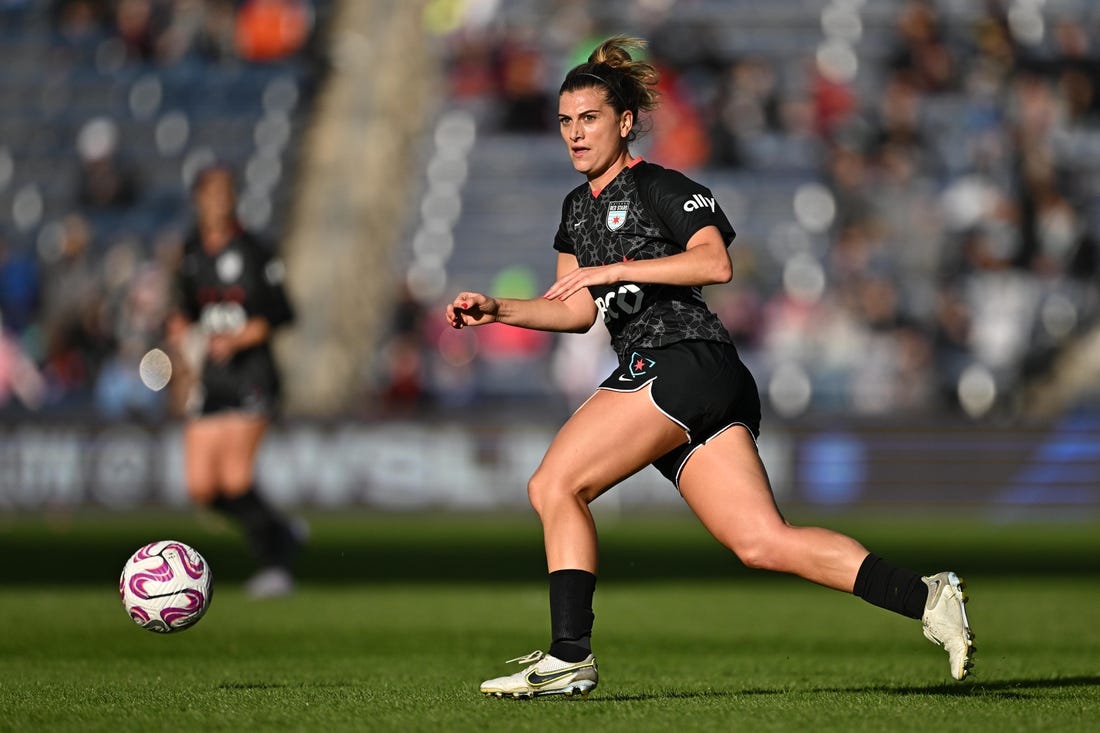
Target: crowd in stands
column 109, row 106
column 941, row 243
column 939, row 164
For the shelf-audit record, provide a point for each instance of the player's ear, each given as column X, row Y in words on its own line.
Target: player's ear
column 626, row 123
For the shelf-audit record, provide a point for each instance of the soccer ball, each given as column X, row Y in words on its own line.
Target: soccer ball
column 166, row 586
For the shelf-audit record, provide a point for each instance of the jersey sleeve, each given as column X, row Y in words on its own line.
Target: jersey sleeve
column 685, row 207
column 271, row 302
column 185, row 296
column 563, row 240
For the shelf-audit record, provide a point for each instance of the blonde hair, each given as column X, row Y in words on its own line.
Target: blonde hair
column 628, row 84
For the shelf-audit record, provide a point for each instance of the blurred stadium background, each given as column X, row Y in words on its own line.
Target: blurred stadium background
column 915, row 184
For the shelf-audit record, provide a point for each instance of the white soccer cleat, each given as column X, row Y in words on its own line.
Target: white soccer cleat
column 945, row 621
column 545, row 675
column 273, row 582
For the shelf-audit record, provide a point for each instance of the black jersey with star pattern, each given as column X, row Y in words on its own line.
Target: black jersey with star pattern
column 220, row 292
column 646, row 212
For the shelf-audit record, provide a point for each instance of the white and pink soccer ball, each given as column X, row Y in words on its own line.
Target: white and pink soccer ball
column 166, row 586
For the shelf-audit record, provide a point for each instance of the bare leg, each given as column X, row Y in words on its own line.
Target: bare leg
column 201, row 455
column 239, row 435
column 221, row 457
column 610, row 437
column 725, row 484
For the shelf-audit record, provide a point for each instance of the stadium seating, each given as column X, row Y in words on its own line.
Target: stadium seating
column 67, row 89
column 89, row 130
column 170, row 116
column 517, row 177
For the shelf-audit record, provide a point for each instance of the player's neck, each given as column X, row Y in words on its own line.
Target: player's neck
column 599, row 182
column 215, row 235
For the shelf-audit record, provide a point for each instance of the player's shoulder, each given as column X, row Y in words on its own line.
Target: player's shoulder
column 191, row 255
column 576, row 193
column 652, row 177
column 249, row 240
column 253, row 247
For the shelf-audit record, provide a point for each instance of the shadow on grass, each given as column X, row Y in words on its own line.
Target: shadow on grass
column 669, row 695
column 253, row 686
column 958, row 689
column 278, row 685
column 1000, row 688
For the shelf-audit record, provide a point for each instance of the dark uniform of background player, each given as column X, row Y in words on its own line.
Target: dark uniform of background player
column 229, row 287
column 635, row 244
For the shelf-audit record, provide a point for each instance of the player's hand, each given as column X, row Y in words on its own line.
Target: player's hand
column 221, row 347
column 472, row 309
column 580, row 278
column 175, row 332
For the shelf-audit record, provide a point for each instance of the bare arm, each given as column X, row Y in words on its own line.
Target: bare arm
column 572, row 314
column 705, row 261
column 222, row 346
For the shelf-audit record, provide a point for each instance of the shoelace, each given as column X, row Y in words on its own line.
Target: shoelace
column 528, row 659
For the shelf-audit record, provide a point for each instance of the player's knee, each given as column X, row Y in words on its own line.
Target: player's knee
column 755, row 552
column 236, row 483
column 753, row 557
column 236, row 477
column 537, row 493
column 201, row 490
column 544, row 491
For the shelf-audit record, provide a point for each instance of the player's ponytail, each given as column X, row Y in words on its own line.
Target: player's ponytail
column 628, row 84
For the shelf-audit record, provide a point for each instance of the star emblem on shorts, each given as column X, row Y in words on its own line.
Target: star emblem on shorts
column 640, row 364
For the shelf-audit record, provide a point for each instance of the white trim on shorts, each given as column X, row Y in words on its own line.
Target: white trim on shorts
column 647, row 383
column 690, row 453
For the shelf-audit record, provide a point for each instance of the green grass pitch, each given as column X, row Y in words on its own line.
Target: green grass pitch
column 399, row 617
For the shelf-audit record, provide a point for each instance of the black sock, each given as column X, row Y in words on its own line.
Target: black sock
column 895, row 589
column 571, row 614
column 267, row 533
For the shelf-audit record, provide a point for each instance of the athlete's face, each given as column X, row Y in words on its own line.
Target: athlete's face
column 594, row 133
column 215, row 198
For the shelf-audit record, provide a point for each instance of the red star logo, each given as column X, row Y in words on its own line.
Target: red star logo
column 639, row 366
column 615, row 220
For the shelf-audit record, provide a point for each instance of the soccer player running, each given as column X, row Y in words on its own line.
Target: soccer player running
column 635, row 245
column 229, row 287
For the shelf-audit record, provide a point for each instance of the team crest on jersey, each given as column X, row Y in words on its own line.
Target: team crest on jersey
column 229, row 266
column 616, row 214
column 639, row 364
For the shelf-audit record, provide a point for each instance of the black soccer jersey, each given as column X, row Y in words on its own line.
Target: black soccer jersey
column 220, row 292
column 645, row 213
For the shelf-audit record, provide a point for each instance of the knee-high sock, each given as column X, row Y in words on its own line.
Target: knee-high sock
column 571, row 614
column 893, row 588
column 265, row 530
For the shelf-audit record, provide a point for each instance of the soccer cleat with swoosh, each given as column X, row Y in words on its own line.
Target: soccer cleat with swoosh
column 945, row 621
column 545, row 675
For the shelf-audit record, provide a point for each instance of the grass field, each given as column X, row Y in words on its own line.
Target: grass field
column 398, row 619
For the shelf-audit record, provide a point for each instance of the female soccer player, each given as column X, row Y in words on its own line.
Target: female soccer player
column 635, row 245
column 230, row 288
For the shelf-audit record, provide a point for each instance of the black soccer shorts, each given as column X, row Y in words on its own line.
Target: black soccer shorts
column 251, row 387
column 701, row 385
